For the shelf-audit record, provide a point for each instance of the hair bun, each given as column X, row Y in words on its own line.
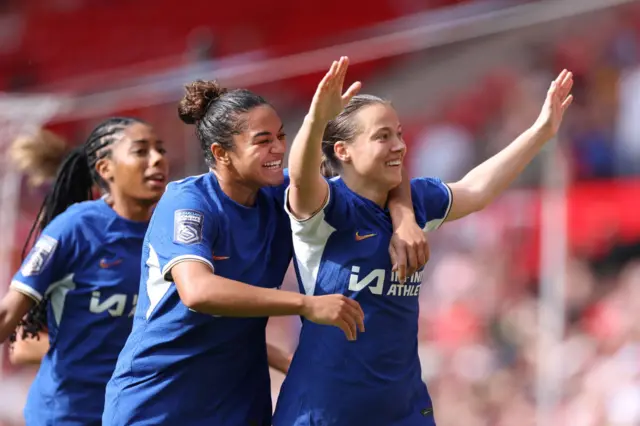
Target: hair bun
column 199, row 95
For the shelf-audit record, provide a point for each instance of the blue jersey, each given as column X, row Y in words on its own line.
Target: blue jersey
column 184, row 367
column 86, row 263
column 376, row 380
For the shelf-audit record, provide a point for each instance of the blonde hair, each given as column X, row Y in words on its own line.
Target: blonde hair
column 38, row 155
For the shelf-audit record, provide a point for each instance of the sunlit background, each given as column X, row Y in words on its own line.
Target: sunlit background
column 530, row 310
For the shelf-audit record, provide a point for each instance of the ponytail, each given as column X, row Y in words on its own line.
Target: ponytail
column 73, row 184
column 327, row 170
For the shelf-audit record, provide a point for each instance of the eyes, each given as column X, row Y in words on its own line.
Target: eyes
column 143, row 152
column 281, row 136
column 385, row 135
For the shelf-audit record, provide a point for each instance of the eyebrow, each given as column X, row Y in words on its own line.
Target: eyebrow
column 146, row 141
column 267, row 133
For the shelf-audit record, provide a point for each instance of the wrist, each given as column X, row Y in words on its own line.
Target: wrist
column 541, row 132
column 302, row 305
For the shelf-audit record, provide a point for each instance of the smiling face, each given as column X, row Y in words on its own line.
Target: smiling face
column 376, row 153
column 257, row 156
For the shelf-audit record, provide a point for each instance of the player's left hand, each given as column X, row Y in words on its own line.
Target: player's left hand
column 558, row 100
column 409, row 250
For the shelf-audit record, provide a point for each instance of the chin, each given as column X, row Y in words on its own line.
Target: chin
column 272, row 178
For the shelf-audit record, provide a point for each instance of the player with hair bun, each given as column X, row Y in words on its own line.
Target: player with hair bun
column 214, row 256
column 80, row 280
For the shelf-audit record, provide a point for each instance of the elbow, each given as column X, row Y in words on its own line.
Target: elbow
column 199, row 301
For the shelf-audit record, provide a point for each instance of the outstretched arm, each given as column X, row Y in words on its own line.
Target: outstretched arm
column 308, row 189
column 203, row 291
column 485, row 182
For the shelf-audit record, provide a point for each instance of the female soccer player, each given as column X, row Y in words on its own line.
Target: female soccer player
column 341, row 230
column 80, row 280
column 217, row 249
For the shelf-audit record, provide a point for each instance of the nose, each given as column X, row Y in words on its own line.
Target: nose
column 398, row 146
column 157, row 158
column 278, row 147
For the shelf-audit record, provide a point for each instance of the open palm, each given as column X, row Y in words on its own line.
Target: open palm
column 558, row 100
column 329, row 101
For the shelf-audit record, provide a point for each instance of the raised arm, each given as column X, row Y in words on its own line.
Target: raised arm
column 485, row 182
column 308, row 189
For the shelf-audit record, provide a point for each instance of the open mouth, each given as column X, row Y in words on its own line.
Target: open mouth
column 273, row 165
column 156, row 179
column 393, row 163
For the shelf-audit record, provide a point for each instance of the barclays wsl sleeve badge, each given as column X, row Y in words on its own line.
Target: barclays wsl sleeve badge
column 187, row 226
column 40, row 256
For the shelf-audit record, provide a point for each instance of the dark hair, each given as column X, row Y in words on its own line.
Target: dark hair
column 73, row 184
column 215, row 112
column 343, row 128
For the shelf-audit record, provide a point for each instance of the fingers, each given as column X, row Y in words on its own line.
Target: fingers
column 401, row 261
column 349, row 328
column 351, row 91
column 392, row 255
column 412, row 260
column 567, row 102
column 359, row 313
column 423, row 253
column 328, row 77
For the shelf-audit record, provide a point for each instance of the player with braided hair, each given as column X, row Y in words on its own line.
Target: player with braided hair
column 80, row 280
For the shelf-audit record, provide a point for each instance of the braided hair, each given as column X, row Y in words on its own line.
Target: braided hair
column 73, row 183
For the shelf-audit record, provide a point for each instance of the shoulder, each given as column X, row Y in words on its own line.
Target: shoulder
column 76, row 217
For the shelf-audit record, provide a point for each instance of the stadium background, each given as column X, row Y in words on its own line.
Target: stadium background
column 530, row 311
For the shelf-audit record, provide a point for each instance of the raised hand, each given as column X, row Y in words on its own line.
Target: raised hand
column 558, row 100
column 329, row 100
column 336, row 310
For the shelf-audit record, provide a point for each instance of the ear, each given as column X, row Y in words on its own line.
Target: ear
column 105, row 169
column 341, row 149
column 220, row 154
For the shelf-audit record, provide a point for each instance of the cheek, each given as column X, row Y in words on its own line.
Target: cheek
column 129, row 169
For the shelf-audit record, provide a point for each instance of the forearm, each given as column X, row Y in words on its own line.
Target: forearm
column 400, row 202
column 215, row 295
column 306, row 154
column 493, row 176
column 13, row 307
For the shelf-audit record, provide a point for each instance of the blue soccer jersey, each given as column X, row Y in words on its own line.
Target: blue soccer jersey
column 376, row 380
column 86, row 263
column 181, row 367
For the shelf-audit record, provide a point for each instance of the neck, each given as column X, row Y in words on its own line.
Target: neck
column 137, row 211
column 365, row 188
column 238, row 191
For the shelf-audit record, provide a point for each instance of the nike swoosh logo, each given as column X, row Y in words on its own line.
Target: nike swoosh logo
column 106, row 265
column 363, row 237
column 220, row 257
